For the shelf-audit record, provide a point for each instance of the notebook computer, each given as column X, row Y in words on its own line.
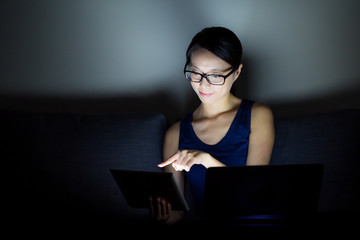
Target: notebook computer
column 262, row 192
column 138, row 186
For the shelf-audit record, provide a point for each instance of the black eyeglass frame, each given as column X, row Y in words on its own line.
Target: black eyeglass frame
column 206, row 75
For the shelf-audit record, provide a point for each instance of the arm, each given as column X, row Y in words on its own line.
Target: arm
column 185, row 159
column 178, row 160
column 160, row 209
column 171, row 145
column 262, row 136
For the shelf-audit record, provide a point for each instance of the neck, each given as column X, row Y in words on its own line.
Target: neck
column 226, row 104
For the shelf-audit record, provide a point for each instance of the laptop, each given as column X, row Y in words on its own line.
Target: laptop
column 262, row 192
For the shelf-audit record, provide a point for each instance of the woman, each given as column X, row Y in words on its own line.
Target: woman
column 224, row 130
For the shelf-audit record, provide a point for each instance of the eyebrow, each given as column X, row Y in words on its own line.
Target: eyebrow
column 213, row 69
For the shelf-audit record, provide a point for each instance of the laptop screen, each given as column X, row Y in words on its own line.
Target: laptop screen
column 276, row 190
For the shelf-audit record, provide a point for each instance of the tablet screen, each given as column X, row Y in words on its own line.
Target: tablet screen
column 138, row 186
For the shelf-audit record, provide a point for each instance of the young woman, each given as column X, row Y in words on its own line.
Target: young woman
column 224, row 130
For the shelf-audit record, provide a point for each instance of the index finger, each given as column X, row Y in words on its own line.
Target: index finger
column 172, row 159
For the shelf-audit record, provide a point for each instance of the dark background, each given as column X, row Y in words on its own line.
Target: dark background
column 301, row 57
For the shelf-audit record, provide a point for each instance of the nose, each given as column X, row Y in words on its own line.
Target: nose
column 204, row 82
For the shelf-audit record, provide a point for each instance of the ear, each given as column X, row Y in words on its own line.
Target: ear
column 238, row 71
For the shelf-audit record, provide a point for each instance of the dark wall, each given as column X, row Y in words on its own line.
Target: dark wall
column 301, row 57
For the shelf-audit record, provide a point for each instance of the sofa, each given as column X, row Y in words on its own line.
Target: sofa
column 57, row 165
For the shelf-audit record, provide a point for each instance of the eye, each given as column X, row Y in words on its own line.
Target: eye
column 195, row 75
column 214, row 76
column 216, row 79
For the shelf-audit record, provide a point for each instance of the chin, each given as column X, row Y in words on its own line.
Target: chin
column 208, row 100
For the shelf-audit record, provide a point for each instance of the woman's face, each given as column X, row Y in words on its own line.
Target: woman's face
column 205, row 62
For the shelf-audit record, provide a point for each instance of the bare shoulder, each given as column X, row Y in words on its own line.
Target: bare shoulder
column 173, row 131
column 261, row 113
column 262, row 135
column 261, row 109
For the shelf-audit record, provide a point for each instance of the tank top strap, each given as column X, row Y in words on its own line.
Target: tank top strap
column 243, row 116
column 185, row 131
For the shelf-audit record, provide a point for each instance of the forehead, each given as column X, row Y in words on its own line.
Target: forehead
column 206, row 61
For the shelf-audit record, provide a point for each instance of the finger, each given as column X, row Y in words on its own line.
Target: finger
column 159, row 210
column 164, row 209
column 168, row 209
column 185, row 161
column 188, row 164
column 170, row 160
column 185, row 166
column 178, row 163
column 180, row 158
column 152, row 212
column 175, row 166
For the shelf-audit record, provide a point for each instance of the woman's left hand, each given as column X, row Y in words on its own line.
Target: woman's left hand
column 185, row 159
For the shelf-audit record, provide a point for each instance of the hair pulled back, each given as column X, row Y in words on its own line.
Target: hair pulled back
column 220, row 41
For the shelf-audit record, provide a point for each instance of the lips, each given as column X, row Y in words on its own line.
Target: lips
column 205, row 94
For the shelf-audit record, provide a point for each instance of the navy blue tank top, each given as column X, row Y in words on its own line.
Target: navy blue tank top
column 231, row 150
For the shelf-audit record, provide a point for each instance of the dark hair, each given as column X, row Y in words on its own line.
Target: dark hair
column 220, row 41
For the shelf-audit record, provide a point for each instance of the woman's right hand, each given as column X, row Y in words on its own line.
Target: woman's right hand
column 160, row 210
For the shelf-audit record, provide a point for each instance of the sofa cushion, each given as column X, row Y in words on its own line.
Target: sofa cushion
column 332, row 139
column 59, row 164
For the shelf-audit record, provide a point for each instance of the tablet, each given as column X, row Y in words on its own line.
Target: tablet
column 138, row 186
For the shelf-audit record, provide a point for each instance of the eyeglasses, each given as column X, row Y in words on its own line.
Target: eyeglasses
column 213, row 79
